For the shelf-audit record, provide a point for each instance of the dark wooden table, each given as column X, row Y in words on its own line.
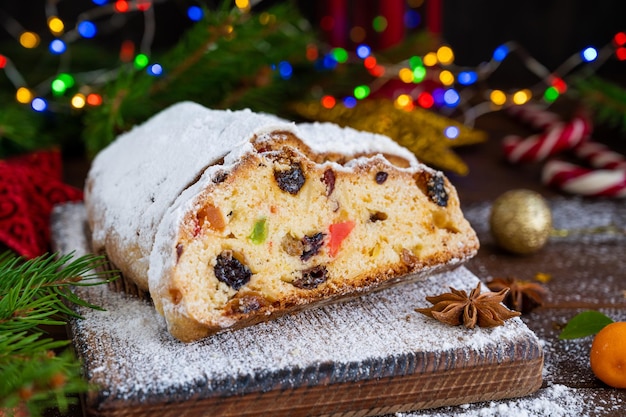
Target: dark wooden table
column 586, row 272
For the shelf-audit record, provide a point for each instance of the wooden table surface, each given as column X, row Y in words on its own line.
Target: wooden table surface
column 581, row 277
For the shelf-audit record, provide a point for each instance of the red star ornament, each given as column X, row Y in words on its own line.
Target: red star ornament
column 30, row 186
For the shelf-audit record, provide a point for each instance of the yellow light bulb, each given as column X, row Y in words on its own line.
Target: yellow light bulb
column 406, row 75
column 522, row 96
column 56, row 25
column 402, row 101
column 243, row 5
column 78, row 101
column 23, row 95
column 497, row 97
column 445, row 55
column 446, row 78
column 29, row 40
column 430, row 59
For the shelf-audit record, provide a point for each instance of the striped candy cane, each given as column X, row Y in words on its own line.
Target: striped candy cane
column 605, row 178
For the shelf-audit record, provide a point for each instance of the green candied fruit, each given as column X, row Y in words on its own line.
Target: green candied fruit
column 259, row 231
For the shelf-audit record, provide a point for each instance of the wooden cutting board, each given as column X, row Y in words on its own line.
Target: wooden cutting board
column 371, row 355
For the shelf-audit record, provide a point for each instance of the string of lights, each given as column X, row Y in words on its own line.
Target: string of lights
column 430, row 81
column 104, row 17
column 462, row 88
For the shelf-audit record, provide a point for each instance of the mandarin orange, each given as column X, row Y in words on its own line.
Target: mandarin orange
column 608, row 354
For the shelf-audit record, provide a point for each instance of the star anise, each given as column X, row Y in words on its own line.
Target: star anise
column 524, row 296
column 456, row 307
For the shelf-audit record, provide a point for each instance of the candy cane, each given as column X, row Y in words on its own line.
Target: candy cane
column 575, row 179
column 607, row 179
column 558, row 137
column 600, row 156
column 535, row 116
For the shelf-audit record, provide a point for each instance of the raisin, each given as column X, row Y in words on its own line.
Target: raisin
column 381, row 177
column 311, row 245
column 329, row 180
column 231, row 271
column 219, row 177
column 437, row 191
column 290, row 180
column 179, row 251
column 245, row 304
column 311, row 278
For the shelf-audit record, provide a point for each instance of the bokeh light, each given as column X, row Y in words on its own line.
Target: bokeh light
column 29, row 40
column 87, row 29
column 57, row 47
column 56, row 25
column 24, row 95
column 195, row 13
column 39, row 104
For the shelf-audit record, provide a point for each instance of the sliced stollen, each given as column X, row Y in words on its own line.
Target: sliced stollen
column 231, row 218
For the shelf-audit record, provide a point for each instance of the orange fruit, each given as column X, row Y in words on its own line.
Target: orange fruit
column 608, row 354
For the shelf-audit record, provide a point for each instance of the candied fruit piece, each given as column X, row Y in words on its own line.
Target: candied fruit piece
column 329, row 180
column 176, row 295
column 259, row 231
column 231, row 271
column 290, row 180
column 437, row 191
column 381, row 177
column 311, row 278
column 338, row 233
column 213, row 216
column 292, row 246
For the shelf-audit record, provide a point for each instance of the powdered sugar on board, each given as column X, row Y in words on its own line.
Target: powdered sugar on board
column 132, row 357
column 553, row 401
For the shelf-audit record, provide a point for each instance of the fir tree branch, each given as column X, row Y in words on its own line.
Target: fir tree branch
column 605, row 99
column 216, row 62
column 36, row 293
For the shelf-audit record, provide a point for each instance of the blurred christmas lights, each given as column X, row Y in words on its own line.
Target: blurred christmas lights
column 458, row 87
column 430, row 81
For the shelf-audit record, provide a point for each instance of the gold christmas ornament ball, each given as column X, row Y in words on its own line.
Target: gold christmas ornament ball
column 520, row 221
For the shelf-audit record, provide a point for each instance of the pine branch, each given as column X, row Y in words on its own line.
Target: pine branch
column 20, row 130
column 36, row 293
column 605, row 99
column 216, row 62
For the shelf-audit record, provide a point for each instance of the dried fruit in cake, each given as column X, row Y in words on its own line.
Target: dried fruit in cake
column 230, row 218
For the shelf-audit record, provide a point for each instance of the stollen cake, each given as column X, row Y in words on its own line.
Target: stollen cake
column 231, row 218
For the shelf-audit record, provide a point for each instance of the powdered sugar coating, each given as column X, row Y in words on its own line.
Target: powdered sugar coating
column 555, row 400
column 147, row 168
column 147, row 361
column 329, row 137
column 143, row 173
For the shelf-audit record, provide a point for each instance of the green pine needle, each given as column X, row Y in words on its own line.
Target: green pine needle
column 606, row 99
column 36, row 372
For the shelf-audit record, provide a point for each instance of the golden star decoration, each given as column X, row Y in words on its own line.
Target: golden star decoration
column 419, row 130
